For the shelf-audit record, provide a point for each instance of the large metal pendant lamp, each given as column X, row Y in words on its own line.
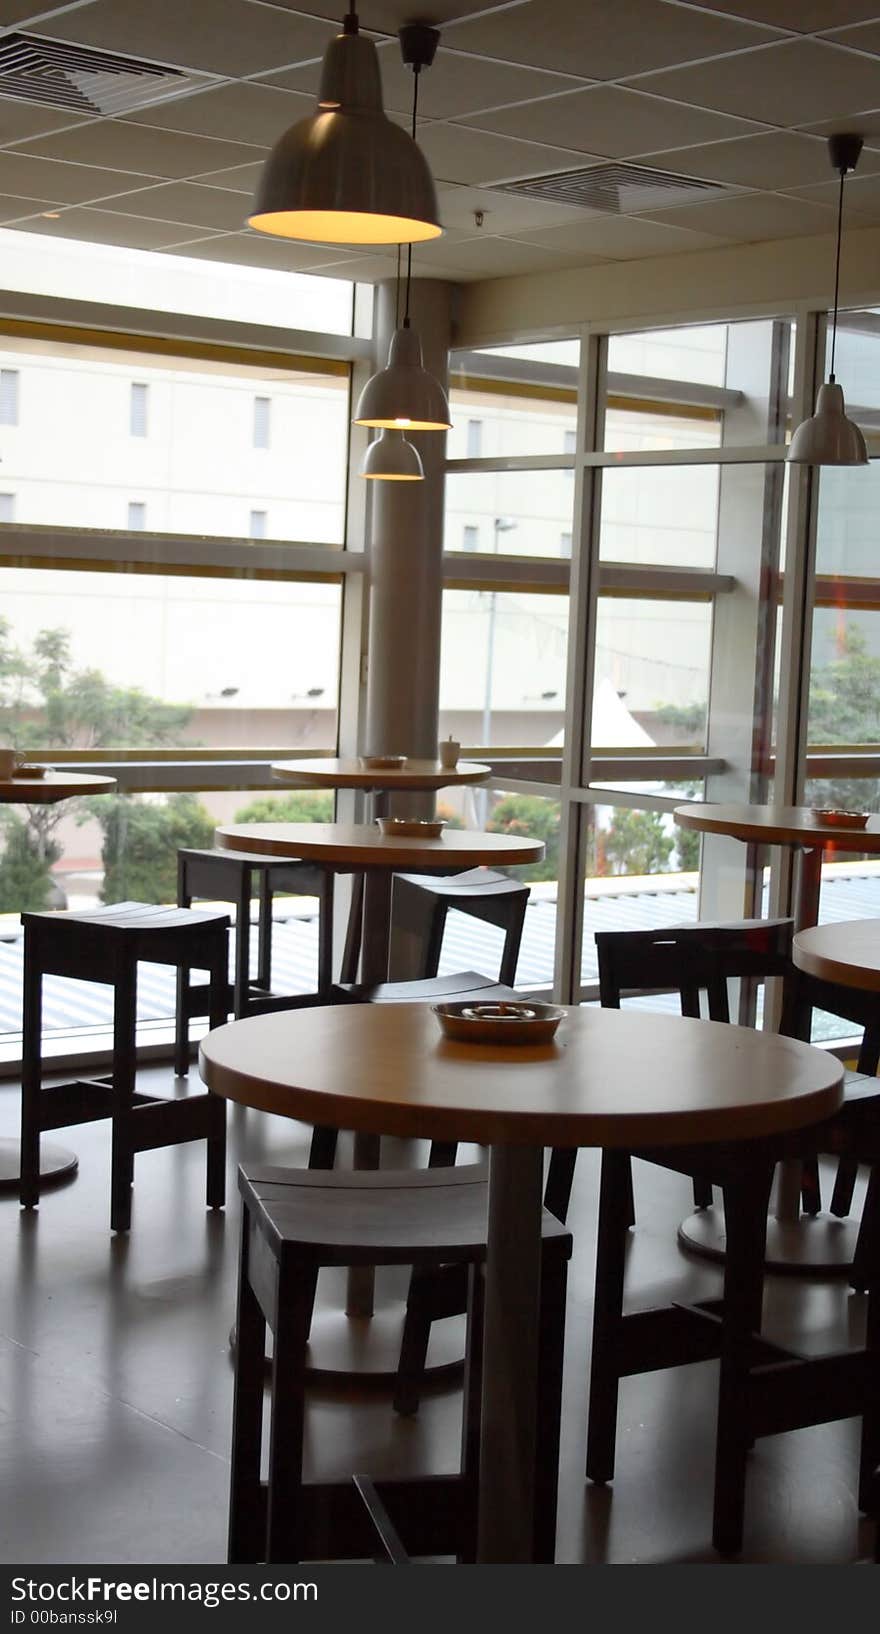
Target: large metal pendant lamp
column 829, row 437
column 347, row 174
column 404, row 396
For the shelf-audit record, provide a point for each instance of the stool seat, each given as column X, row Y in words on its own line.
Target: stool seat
column 420, row 904
column 106, row 945
column 465, row 984
column 294, row 1222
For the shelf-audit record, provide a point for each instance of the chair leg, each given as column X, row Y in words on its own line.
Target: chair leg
column 512, row 941
column 866, row 1259
column 434, row 1292
column 284, row 1515
column 246, row 1542
column 844, row 1186
column 322, row 1152
column 182, row 985
column 811, row 1186
column 215, row 1179
column 32, row 1074
column 554, row 1276
column 124, row 1070
column 264, row 931
column 703, row 1196
column 607, row 1317
column 351, row 952
column 443, row 1154
column 560, row 1178
column 325, row 937
column 241, row 978
column 745, row 1212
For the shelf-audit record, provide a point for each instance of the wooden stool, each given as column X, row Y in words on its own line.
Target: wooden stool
column 106, row 946
column 296, row 1221
column 420, row 904
column 233, row 876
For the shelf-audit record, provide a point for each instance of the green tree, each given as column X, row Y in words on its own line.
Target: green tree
column 533, row 817
column 637, row 843
column 845, row 708
column 47, row 703
column 25, row 882
column 141, row 840
column 300, row 806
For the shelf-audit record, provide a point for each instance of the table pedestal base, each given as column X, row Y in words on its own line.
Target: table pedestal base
column 56, row 1165
column 814, row 1244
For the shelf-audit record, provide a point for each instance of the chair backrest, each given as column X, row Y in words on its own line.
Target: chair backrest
column 688, row 959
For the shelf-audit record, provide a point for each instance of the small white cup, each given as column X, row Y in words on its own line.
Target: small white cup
column 8, row 758
column 449, row 750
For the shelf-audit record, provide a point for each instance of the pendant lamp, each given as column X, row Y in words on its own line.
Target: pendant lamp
column 390, row 458
column 404, row 396
column 829, row 437
column 347, row 174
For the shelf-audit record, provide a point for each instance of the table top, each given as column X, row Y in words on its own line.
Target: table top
column 778, row 825
column 350, row 774
column 44, row 791
column 359, row 845
column 848, row 952
column 610, row 1077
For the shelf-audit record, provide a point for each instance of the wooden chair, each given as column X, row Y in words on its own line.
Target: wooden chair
column 219, row 875
column 763, row 1389
column 106, row 946
column 293, row 1223
column 421, row 903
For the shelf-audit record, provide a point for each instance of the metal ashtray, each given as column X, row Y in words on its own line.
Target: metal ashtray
column 382, row 763
column 411, row 828
column 504, row 1022
column 837, row 817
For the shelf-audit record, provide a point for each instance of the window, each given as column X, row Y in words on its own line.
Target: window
column 262, row 406
column 513, row 513
column 474, row 439
column 257, row 527
column 470, row 537
column 565, row 544
column 137, row 516
column 138, row 409
column 8, row 397
column 569, row 439
column 7, row 507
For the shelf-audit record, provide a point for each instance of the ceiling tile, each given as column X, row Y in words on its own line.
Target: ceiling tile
column 866, row 124
column 778, row 160
column 185, row 202
column 785, row 84
column 20, row 173
column 140, row 149
column 605, row 39
column 19, row 120
column 11, row 209
column 611, row 121
column 103, row 227
column 753, row 216
column 498, row 257
column 504, row 213
column 247, row 112
column 457, row 154
column 18, row 11
column 866, row 38
column 232, row 37
column 623, row 238
column 861, row 198
column 801, row 16
column 388, row 15
column 251, row 250
column 240, row 179
column 455, row 85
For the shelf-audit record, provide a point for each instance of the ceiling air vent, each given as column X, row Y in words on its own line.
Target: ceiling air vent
column 618, row 190
column 82, row 80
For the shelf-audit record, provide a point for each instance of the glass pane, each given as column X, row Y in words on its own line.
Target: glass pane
column 207, row 286
column 95, row 660
column 652, row 672
column 197, row 467
column 746, row 359
column 502, row 668
column 662, row 515
column 509, row 423
column 857, row 364
column 510, row 513
column 846, row 528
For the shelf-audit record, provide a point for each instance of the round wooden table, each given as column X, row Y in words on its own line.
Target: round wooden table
column 387, row 1068
column 352, row 774
column 848, row 952
column 793, row 826
column 56, row 1162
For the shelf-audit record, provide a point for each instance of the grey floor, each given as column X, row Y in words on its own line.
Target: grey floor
column 115, row 1382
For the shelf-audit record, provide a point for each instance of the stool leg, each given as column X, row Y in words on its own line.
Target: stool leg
column 247, row 1515
column 869, row 1452
column 512, row 941
column 470, row 1415
column 352, row 949
column 325, row 937
column 32, row 1073
column 866, row 1259
column 124, row 1069
column 218, row 977
column 844, row 1186
column 608, row 1316
column 241, row 986
column 554, row 1277
column 745, row 1214
column 181, row 1008
column 322, row 1152
column 284, row 1519
column 264, row 931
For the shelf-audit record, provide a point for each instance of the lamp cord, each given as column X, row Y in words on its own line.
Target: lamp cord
column 837, row 272
column 416, row 68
